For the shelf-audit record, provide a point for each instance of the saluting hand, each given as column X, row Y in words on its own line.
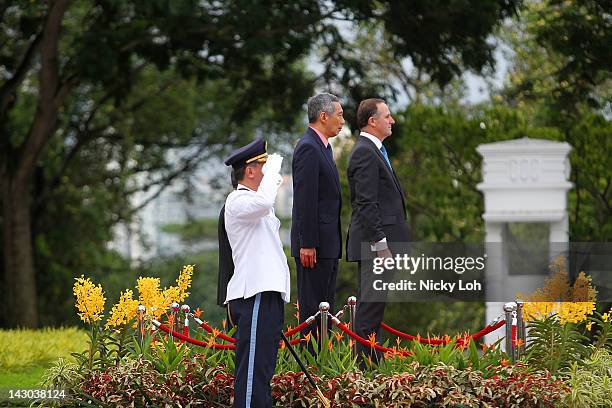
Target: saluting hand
column 273, row 164
column 308, row 257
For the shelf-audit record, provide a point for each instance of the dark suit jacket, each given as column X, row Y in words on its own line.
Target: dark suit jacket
column 377, row 200
column 315, row 220
column 226, row 262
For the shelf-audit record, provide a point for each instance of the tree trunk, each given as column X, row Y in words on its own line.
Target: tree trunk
column 19, row 279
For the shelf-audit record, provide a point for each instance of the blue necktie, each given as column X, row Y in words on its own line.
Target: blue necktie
column 386, row 156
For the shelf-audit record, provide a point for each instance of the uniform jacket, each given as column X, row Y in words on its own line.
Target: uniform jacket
column 260, row 263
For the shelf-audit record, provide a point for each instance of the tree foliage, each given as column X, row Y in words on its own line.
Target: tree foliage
column 560, row 78
column 92, row 98
column 94, row 94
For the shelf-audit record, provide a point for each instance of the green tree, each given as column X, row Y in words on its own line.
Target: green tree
column 560, row 78
column 410, row 48
column 71, row 73
column 91, row 99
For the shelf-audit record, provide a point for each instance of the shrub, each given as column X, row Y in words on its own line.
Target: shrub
column 591, row 383
column 553, row 345
column 138, row 383
column 515, row 386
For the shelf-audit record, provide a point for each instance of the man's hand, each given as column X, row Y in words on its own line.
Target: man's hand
column 385, row 253
column 308, row 257
column 273, row 164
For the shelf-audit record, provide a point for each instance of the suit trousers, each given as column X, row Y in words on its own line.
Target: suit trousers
column 260, row 321
column 369, row 314
column 316, row 285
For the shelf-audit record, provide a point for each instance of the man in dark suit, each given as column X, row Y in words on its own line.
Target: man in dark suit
column 378, row 211
column 316, row 242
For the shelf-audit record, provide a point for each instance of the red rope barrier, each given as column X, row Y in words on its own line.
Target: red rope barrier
column 225, row 337
column 436, row 342
column 487, row 330
column 293, row 342
column 409, row 336
column 200, row 343
column 365, row 342
column 460, row 341
column 299, row 327
column 194, row 341
column 217, row 333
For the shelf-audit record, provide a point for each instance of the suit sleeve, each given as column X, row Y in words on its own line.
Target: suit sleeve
column 306, row 193
column 365, row 170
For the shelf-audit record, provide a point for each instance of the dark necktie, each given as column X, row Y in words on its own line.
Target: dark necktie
column 329, row 152
column 386, row 156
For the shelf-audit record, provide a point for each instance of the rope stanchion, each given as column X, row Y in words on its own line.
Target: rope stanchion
column 520, row 329
column 510, row 310
column 365, row 342
column 324, row 309
column 140, row 313
column 514, row 333
column 351, row 303
column 175, row 309
column 186, row 327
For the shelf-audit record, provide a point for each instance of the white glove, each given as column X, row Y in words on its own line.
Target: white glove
column 273, row 164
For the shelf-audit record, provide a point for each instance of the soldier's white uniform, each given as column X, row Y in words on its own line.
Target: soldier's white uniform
column 259, row 286
column 253, row 231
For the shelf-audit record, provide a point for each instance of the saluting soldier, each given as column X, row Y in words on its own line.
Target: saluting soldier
column 259, row 285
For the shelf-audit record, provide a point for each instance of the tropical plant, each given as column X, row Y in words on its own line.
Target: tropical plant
column 602, row 334
column 553, row 345
column 62, row 374
column 138, row 383
column 130, row 363
column 590, row 382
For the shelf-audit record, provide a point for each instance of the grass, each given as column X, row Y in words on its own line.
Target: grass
column 26, row 378
column 26, row 354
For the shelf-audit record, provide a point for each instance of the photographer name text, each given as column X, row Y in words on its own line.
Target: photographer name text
column 428, row 285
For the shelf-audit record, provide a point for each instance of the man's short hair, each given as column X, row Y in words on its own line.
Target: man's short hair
column 238, row 173
column 323, row 102
column 367, row 108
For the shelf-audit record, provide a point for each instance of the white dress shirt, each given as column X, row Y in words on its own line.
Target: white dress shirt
column 382, row 244
column 260, row 263
column 373, row 138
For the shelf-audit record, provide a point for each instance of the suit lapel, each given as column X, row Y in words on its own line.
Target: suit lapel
column 329, row 160
column 381, row 157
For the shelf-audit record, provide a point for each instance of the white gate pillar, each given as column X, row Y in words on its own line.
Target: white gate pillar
column 524, row 181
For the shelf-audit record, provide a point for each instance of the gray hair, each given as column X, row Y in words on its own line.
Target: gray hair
column 322, row 102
